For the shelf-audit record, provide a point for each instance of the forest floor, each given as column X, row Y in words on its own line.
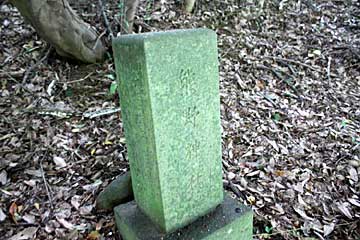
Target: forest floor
column 290, row 112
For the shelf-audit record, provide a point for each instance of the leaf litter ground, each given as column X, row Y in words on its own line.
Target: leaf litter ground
column 290, row 107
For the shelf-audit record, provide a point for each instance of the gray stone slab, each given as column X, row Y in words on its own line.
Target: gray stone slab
column 229, row 221
column 117, row 192
column 169, row 97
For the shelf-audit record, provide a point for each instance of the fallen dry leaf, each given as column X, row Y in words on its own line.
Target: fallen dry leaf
column 65, row 223
column 59, row 162
column 3, row 177
column 2, row 215
column 29, row 218
column 328, row 229
column 27, row 233
column 13, row 211
column 94, row 235
column 343, row 207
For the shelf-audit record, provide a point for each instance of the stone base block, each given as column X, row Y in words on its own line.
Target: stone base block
column 229, row 221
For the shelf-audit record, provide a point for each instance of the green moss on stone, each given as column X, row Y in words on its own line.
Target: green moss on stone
column 169, row 97
column 117, row 192
column 229, row 221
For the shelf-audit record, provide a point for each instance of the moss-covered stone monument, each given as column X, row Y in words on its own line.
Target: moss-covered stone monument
column 169, row 97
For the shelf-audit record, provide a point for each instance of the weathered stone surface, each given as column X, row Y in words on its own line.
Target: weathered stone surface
column 229, row 221
column 117, row 192
column 169, row 96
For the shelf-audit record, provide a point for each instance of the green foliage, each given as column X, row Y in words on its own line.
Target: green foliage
column 114, row 85
column 121, row 5
column 110, row 76
column 276, row 117
column 344, row 123
column 113, row 88
column 149, row 6
column 355, row 140
column 268, row 229
column 121, row 13
column 69, row 92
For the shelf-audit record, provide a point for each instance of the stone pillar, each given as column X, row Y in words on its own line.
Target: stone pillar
column 169, row 97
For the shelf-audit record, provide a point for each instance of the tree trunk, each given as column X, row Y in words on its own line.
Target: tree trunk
column 59, row 25
column 130, row 10
column 189, row 5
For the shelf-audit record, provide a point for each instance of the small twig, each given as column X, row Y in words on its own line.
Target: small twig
column 234, row 189
column 16, row 225
column 353, row 65
column 106, row 21
column 11, row 74
column 328, row 69
column 355, row 51
column 310, row 5
column 47, row 187
column 33, row 67
column 231, row 49
column 287, row 81
column 269, row 99
column 49, row 89
column 296, row 62
column 61, row 113
column 78, row 80
column 289, row 66
column 19, row 85
column 98, row 39
column 100, row 113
